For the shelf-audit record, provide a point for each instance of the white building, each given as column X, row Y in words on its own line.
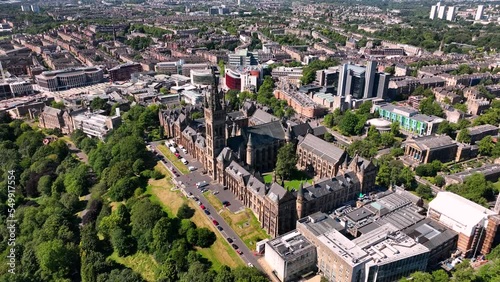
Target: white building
column 96, row 125
column 452, row 11
column 441, row 12
column 433, row 12
column 290, row 255
column 479, row 13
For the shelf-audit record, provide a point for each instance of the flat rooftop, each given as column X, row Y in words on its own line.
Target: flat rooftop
column 290, row 245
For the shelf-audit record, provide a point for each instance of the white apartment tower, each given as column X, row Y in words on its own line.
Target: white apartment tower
column 433, row 12
column 441, row 12
column 479, row 13
column 452, row 11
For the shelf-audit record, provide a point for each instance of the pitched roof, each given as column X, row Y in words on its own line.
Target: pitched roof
column 328, row 185
column 264, row 133
column 432, row 142
column 325, row 151
column 52, row 111
column 260, row 117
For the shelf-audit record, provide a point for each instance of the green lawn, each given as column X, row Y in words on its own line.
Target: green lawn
column 171, row 157
column 220, row 253
column 139, row 262
column 245, row 224
column 297, row 177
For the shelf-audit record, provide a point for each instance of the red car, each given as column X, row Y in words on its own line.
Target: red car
column 202, row 207
column 226, row 203
column 177, row 155
column 239, row 252
column 215, row 222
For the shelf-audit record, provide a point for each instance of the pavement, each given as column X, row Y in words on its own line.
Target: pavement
column 188, row 182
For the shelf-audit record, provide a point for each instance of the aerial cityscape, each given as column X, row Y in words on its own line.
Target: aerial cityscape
column 250, row 140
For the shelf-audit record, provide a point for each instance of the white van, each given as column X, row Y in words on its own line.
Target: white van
column 184, row 161
column 173, row 150
column 191, row 168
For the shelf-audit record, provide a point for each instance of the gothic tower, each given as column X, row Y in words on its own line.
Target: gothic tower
column 215, row 115
column 250, row 152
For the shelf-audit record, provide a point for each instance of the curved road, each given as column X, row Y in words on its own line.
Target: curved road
column 189, row 186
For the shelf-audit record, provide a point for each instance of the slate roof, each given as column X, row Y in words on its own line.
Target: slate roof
column 325, row 151
column 481, row 129
column 276, row 192
column 265, row 133
column 433, row 142
column 52, row 111
column 327, row 186
column 261, row 117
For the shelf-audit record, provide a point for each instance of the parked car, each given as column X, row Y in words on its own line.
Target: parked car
column 239, row 252
column 215, row 192
column 250, row 264
column 201, row 184
column 196, row 199
column 184, row 161
column 229, row 240
column 190, row 194
column 202, row 207
column 207, row 212
column 219, row 227
column 184, row 150
column 234, row 246
column 191, row 168
column 215, row 222
column 173, row 150
column 226, row 203
column 177, row 155
column 181, row 147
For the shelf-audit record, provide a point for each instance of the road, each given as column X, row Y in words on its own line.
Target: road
column 188, row 184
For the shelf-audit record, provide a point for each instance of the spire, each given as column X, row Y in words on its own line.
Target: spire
column 300, row 193
column 250, row 143
column 233, row 131
column 288, row 135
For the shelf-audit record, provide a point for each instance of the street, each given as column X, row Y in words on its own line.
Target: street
column 188, row 184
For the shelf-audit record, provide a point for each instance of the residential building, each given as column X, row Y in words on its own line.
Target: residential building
column 429, row 148
column 452, row 11
column 69, row 78
column 290, row 255
column 433, row 14
column 124, row 72
column 476, row 225
column 409, row 119
column 479, row 13
column 441, row 12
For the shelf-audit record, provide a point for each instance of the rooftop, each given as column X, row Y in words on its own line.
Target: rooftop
column 324, row 150
column 291, row 245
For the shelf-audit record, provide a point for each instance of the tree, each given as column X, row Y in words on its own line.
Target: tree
column 143, row 218
column 348, row 124
column 440, row 276
column 56, row 259
column 439, row 181
column 464, row 136
column 185, row 212
column 406, row 177
column 45, row 185
column 329, row 137
column 221, row 66
column 328, row 120
column 387, row 139
column 390, row 69
column 205, row 237
column 373, row 135
column 286, row 161
column 486, row 146
column 167, row 272
column 430, row 107
column 123, row 275
column 365, row 108
column 122, row 243
column 424, row 191
column 224, row 275
column 395, row 128
column 123, row 189
column 98, row 104
column 445, row 128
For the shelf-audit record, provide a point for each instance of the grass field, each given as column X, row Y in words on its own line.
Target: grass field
column 177, row 162
column 141, row 263
column 220, row 253
column 291, row 184
column 245, row 224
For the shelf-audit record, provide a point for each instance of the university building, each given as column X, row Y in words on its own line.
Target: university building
column 234, row 153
